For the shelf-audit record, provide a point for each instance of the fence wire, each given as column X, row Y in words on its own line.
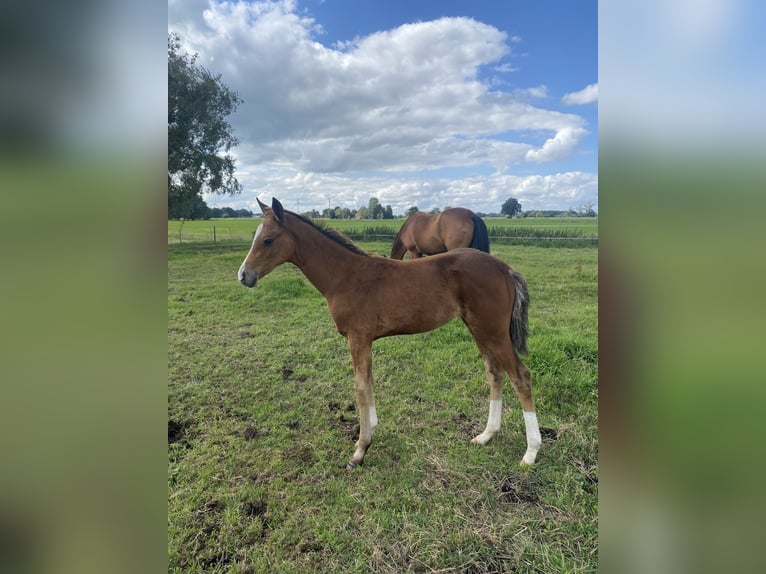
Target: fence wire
column 219, row 235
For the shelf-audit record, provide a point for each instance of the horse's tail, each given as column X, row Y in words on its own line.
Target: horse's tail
column 480, row 239
column 519, row 317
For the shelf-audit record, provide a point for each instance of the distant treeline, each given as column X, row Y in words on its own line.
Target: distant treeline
column 581, row 212
column 222, row 212
column 338, row 213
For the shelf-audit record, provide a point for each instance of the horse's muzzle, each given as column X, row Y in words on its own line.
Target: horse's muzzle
column 247, row 279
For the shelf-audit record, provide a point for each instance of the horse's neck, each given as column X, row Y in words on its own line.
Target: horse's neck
column 398, row 248
column 322, row 260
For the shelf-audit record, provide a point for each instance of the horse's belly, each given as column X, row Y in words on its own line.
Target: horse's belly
column 413, row 318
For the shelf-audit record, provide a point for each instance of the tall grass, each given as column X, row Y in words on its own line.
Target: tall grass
column 543, row 232
column 547, row 236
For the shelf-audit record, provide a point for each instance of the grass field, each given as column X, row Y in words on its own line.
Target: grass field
column 385, row 229
column 262, row 420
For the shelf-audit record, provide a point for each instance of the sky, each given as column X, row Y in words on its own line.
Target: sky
column 418, row 103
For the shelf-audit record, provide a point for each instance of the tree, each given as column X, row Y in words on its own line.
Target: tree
column 376, row 210
column 198, row 133
column 411, row 210
column 511, row 207
column 586, row 210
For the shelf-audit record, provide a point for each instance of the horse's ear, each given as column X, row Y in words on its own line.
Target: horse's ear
column 263, row 206
column 279, row 211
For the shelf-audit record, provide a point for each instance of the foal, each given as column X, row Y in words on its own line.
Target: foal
column 370, row 297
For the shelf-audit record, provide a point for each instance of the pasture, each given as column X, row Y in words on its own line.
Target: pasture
column 546, row 230
column 261, row 420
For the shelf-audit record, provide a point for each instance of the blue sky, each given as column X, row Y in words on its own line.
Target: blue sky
column 417, row 103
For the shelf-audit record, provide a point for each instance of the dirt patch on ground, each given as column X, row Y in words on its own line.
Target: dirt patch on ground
column 348, row 424
column 466, row 426
column 548, row 433
column 251, row 432
column 310, row 545
column 257, row 510
column 256, row 507
column 178, row 432
column 289, row 375
column 519, row 488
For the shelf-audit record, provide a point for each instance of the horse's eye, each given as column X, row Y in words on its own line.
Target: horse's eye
column 268, row 241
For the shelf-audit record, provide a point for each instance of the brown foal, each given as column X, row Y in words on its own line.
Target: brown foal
column 370, row 297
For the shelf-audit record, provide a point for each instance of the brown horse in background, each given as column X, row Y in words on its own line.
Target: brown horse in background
column 370, row 297
column 424, row 234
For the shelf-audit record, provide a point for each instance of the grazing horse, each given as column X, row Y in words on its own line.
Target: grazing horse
column 424, row 234
column 370, row 297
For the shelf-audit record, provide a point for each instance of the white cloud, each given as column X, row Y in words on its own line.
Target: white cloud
column 506, row 68
column 405, row 100
column 559, row 146
column 308, row 190
column 588, row 95
column 540, row 91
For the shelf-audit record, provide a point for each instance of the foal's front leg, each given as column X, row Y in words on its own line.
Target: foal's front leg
column 361, row 355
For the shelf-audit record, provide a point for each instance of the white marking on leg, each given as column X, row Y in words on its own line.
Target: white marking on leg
column 373, row 418
column 493, row 422
column 364, row 438
column 534, row 440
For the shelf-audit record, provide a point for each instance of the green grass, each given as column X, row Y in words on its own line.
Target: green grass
column 261, row 422
column 545, row 232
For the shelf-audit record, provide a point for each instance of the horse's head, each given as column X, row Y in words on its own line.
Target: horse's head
column 272, row 245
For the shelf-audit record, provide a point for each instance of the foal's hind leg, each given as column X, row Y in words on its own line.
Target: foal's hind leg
column 496, row 377
column 521, row 380
column 506, row 358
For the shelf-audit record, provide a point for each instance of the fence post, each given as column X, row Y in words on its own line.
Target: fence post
column 214, row 234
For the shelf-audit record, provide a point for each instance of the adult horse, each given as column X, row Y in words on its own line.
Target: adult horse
column 424, row 234
column 370, row 297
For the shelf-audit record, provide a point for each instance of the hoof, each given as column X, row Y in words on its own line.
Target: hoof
column 524, row 463
column 529, row 458
column 352, row 465
column 481, row 439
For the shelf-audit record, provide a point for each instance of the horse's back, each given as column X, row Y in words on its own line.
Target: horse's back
column 472, row 260
column 456, row 227
column 481, row 285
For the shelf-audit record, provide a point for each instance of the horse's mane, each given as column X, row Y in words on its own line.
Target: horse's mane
column 333, row 234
